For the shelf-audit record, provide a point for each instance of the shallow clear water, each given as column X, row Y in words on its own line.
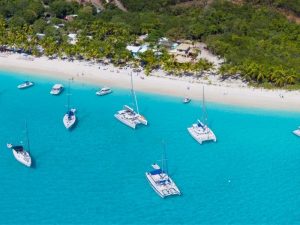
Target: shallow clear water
column 95, row 174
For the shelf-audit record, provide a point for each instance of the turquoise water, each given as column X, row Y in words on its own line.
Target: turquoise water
column 95, row 174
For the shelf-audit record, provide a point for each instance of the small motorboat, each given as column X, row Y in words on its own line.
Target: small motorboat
column 186, row 100
column 25, row 84
column 104, row 91
column 57, row 89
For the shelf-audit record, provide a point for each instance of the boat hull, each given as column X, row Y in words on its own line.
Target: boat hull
column 55, row 92
column 99, row 93
column 297, row 132
column 125, row 121
column 200, row 138
column 57, row 89
column 186, row 101
column 152, row 186
column 142, row 119
column 69, row 122
column 165, row 191
column 23, row 86
column 26, row 161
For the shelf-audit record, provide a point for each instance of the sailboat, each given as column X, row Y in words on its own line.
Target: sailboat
column 128, row 115
column 160, row 181
column 186, row 99
column 20, row 153
column 69, row 118
column 200, row 130
column 297, row 132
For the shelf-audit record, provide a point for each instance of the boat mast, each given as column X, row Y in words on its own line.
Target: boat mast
column 134, row 96
column 204, row 114
column 27, row 136
column 164, row 164
column 68, row 95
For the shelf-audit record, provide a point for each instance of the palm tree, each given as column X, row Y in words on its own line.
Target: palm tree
column 291, row 77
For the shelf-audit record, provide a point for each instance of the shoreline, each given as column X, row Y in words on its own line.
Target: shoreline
column 232, row 93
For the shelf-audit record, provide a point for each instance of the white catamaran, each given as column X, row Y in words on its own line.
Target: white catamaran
column 20, row 153
column 69, row 118
column 200, row 130
column 128, row 115
column 160, row 181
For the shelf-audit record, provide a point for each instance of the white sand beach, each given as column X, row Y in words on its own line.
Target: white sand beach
column 226, row 92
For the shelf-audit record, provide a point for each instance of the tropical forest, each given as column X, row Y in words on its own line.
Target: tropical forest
column 258, row 40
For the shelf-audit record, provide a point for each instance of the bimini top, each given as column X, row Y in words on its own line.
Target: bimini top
column 156, row 172
column 18, row 148
column 70, row 113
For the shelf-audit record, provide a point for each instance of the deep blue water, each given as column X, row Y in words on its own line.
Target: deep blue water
column 95, row 174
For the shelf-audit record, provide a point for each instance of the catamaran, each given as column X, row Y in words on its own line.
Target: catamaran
column 128, row 115
column 57, row 89
column 160, row 181
column 297, row 132
column 69, row 118
column 25, row 84
column 104, row 91
column 20, row 153
column 200, row 130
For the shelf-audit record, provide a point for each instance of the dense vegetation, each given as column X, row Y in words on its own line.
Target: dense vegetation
column 258, row 43
column 292, row 5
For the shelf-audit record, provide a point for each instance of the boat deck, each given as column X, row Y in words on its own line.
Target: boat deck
column 202, row 134
column 162, row 183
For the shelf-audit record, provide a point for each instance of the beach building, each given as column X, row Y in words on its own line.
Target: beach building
column 135, row 50
column 184, row 52
column 165, row 42
column 188, row 51
column 183, row 49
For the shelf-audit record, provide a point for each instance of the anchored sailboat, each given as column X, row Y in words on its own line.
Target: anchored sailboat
column 297, row 132
column 187, row 99
column 128, row 115
column 200, row 130
column 20, row 153
column 69, row 118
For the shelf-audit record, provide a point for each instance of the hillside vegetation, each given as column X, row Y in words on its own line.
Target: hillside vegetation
column 258, row 43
